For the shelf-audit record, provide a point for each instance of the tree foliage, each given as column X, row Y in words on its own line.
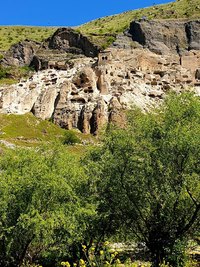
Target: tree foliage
column 147, row 177
column 40, row 205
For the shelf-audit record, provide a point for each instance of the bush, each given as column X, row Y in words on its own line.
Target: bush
column 70, row 138
column 3, row 72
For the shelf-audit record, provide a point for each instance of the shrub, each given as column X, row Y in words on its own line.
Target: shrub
column 70, row 138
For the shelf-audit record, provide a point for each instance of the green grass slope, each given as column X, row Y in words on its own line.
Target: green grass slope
column 112, row 25
column 103, row 30
column 27, row 129
column 13, row 34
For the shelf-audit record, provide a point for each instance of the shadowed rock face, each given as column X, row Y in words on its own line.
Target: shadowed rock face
column 164, row 37
column 193, row 34
column 71, row 41
column 20, row 54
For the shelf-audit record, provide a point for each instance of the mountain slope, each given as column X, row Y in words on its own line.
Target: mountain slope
column 103, row 30
column 112, row 25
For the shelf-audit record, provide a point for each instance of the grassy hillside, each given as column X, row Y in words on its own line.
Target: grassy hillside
column 29, row 131
column 12, row 34
column 101, row 30
column 180, row 9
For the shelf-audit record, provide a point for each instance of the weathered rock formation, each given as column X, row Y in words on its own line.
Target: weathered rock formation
column 55, row 52
column 87, row 93
column 170, row 36
column 20, row 54
column 91, row 93
column 71, row 41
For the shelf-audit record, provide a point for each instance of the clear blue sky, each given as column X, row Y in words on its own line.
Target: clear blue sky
column 64, row 12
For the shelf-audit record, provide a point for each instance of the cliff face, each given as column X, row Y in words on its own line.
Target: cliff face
column 20, row 54
column 65, row 44
column 68, row 40
column 88, row 92
column 164, row 37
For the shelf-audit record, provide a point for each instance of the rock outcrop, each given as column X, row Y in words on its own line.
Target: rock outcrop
column 55, row 52
column 90, row 93
column 165, row 37
column 86, row 93
column 71, row 41
column 193, row 34
column 20, row 54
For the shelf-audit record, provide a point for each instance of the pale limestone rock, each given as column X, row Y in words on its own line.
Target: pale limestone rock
column 88, row 95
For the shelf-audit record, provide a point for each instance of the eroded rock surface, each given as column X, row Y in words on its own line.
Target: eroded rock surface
column 86, row 93
column 69, row 40
column 167, row 36
column 91, row 93
column 20, row 54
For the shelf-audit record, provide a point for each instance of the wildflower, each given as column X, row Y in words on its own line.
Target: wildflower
column 92, row 248
column 106, row 243
column 107, row 263
column 74, row 264
column 101, row 252
column 67, row 264
column 83, row 247
column 82, row 262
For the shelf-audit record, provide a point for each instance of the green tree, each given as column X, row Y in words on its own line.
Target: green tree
column 41, row 209
column 146, row 178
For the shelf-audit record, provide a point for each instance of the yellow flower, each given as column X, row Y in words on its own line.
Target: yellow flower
column 82, row 262
column 74, row 264
column 106, row 243
column 84, row 247
column 92, row 249
column 65, row 263
column 101, row 252
column 107, row 263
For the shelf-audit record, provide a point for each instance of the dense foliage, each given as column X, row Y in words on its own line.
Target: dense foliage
column 40, row 205
column 147, row 178
column 141, row 184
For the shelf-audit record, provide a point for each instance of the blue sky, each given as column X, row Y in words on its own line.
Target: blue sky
column 64, row 12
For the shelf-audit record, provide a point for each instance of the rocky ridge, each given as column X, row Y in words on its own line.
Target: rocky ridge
column 88, row 92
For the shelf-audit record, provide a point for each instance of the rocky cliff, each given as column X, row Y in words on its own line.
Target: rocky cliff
column 164, row 37
column 87, row 92
column 64, row 45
